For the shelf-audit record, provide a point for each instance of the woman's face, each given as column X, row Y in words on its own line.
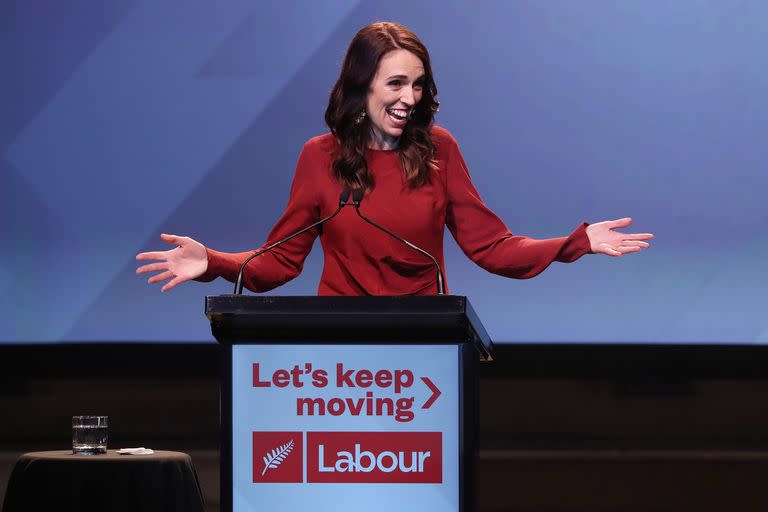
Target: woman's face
column 393, row 94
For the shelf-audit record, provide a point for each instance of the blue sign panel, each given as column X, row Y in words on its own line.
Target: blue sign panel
column 340, row 427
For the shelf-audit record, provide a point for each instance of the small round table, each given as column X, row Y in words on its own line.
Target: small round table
column 58, row 480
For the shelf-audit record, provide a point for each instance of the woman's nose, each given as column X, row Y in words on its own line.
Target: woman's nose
column 407, row 96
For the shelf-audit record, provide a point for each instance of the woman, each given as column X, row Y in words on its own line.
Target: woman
column 415, row 183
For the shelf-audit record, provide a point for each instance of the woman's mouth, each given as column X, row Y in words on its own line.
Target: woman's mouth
column 399, row 116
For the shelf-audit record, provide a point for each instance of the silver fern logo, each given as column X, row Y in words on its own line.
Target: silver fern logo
column 274, row 458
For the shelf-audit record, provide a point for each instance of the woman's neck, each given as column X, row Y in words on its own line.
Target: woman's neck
column 382, row 141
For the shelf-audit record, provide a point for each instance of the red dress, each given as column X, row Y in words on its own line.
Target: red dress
column 360, row 259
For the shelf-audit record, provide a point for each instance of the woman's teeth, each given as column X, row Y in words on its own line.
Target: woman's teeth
column 398, row 114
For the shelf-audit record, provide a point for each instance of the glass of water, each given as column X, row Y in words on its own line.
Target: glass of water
column 89, row 435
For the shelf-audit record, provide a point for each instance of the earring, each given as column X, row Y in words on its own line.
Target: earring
column 360, row 117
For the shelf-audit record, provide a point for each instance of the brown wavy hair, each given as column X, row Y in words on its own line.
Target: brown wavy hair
column 348, row 99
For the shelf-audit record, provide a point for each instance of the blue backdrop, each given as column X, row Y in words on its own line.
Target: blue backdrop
column 122, row 119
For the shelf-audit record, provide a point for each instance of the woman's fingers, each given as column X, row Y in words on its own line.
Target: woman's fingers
column 604, row 238
column 620, row 250
column 161, row 255
column 188, row 259
column 161, row 277
column 152, row 267
column 635, row 243
column 610, row 251
column 618, row 223
column 637, row 236
column 171, row 239
column 152, row 255
column 173, row 282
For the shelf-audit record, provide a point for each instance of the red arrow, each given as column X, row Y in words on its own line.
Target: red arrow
column 435, row 393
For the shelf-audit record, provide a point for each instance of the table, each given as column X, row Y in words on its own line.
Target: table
column 58, row 480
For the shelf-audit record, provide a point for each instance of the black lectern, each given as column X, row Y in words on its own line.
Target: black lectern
column 348, row 403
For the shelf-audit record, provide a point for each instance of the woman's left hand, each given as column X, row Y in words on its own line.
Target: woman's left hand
column 604, row 240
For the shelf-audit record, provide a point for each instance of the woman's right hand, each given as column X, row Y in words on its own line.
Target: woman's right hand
column 188, row 260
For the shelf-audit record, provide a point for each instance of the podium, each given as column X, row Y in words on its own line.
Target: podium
column 348, row 403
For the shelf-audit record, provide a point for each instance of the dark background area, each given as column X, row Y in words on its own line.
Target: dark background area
column 561, row 427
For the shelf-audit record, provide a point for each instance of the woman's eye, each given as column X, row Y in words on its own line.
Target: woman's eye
column 395, row 83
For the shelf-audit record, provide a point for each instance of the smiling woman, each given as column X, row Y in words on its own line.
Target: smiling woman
column 383, row 143
column 394, row 93
column 384, row 99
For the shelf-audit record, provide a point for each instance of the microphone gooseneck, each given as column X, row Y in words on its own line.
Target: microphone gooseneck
column 357, row 197
column 343, row 201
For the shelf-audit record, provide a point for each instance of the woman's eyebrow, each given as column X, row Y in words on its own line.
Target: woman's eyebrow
column 405, row 77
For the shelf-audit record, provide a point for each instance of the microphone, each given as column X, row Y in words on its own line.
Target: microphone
column 343, row 201
column 357, row 197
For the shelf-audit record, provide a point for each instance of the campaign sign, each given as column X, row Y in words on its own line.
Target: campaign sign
column 345, row 427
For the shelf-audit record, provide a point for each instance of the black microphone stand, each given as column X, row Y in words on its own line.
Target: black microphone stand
column 357, row 197
column 342, row 203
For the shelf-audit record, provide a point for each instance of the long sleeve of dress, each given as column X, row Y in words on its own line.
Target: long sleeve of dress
column 361, row 260
column 285, row 262
column 487, row 241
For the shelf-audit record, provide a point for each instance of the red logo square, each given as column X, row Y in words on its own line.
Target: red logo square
column 277, row 457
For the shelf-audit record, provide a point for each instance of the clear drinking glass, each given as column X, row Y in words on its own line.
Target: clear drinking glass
column 89, row 435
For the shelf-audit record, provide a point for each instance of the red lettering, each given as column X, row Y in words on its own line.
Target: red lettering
column 344, row 378
column 364, row 378
column 319, row 378
column 281, row 378
column 403, row 379
column 336, row 406
column 383, row 378
column 257, row 382
column 295, row 373
column 355, row 407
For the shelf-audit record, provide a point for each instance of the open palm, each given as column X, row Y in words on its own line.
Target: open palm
column 603, row 238
column 185, row 262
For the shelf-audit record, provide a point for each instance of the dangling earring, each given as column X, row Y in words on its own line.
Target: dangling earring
column 360, row 117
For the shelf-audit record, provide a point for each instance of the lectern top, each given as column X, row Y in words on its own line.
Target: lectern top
column 402, row 319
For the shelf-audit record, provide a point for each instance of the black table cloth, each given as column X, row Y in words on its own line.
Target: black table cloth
column 60, row 481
